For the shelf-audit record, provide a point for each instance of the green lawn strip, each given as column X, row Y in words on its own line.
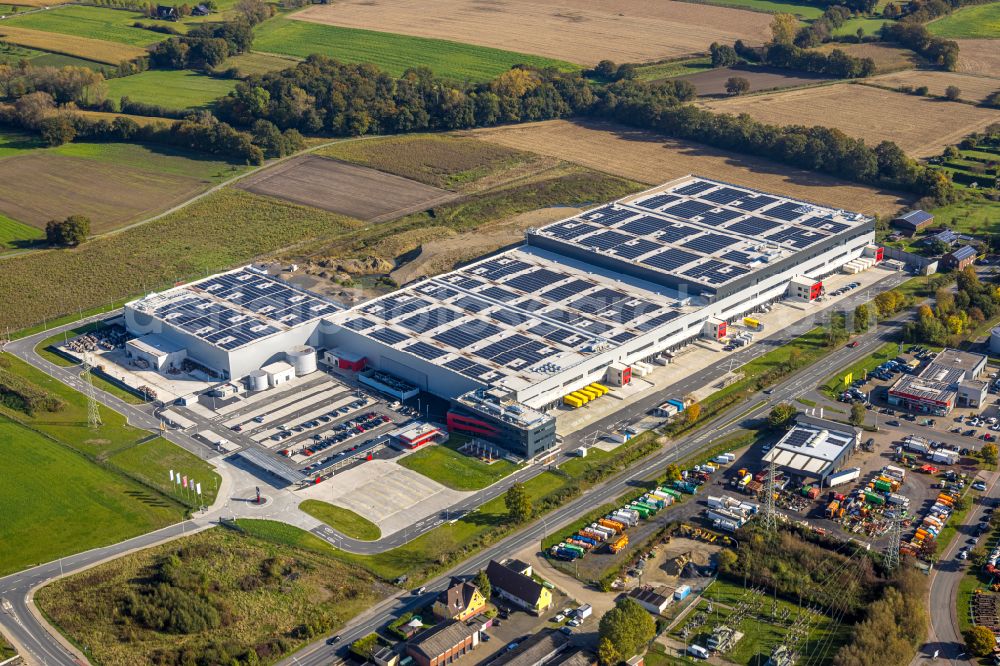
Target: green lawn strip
column 834, row 385
column 976, row 22
column 806, row 402
column 284, row 534
column 171, row 88
column 447, row 544
column 6, row 649
column 870, row 26
column 458, row 471
column 151, row 462
column 110, row 25
column 343, row 520
column 392, row 52
column 803, row 11
column 950, row 530
column 156, row 159
column 16, row 235
column 14, row 142
column 672, row 68
column 56, row 502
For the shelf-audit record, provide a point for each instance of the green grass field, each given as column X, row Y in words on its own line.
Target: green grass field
column 343, row 520
column 870, row 25
column 258, row 63
column 110, row 25
column 447, row 466
column 151, row 461
column 13, row 142
column 972, row 216
column 60, row 60
column 154, row 158
column 172, row 89
column 56, row 502
column 977, row 22
column 666, row 70
column 393, row 53
column 773, row 7
column 14, row 235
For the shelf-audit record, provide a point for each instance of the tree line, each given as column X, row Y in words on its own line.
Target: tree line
column 954, row 314
column 917, row 38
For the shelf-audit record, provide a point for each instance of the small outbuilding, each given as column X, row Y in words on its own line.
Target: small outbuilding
column 913, row 221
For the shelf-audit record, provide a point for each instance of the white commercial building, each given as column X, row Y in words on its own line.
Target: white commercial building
column 582, row 301
column 814, row 448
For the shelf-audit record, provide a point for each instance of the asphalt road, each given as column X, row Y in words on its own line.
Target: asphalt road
column 22, row 626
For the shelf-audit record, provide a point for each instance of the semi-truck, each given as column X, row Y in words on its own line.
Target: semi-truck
column 944, row 456
column 618, row 545
column 686, row 487
column 615, row 525
column 843, row 476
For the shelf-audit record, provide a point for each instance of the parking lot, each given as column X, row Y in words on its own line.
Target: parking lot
column 320, row 423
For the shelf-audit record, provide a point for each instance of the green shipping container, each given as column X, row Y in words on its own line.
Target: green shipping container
column 883, row 486
column 872, row 498
column 574, row 548
column 670, row 491
column 652, row 509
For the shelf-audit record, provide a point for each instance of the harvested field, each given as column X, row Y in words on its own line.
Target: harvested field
column 99, row 23
column 979, row 56
column 887, row 58
column 39, row 185
column 712, row 82
column 974, row 88
column 257, row 63
column 351, row 190
column 649, row 158
column 920, row 126
column 582, row 31
column 71, row 45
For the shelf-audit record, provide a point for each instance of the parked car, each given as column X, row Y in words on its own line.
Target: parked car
column 979, row 485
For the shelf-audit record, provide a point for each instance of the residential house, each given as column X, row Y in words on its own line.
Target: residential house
column 201, row 10
column 960, row 258
column 514, row 584
column 166, row 12
column 913, row 221
column 444, row 643
column 385, row 656
column 459, row 602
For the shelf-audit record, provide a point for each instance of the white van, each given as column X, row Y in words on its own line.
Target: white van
column 697, row 651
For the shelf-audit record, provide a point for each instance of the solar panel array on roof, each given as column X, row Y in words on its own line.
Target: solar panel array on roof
column 694, row 187
column 570, row 230
column 498, row 268
column 658, row 201
column 395, row 306
column 798, row 437
column 470, row 304
column 468, row 368
column 723, row 195
column 688, row 209
column 710, row 243
column 636, row 248
column 467, row 333
column 388, row 336
column 358, row 324
column 670, row 259
column 606, row 240
column 798, row 237
column 716, row 272
column 536, row 280
column 825, row 224
column 736, row 256
column 428, row 320
column 754, row 202
column 564, row 291
column 753, row 226
column 788, row 211
column 498, row 294
column 424, row 350
column 657, row 321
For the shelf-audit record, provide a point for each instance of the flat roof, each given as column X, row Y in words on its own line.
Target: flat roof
column 277, row 366
column 521, row 316
column 704, row 231
column 232, row 310
column 925, row 388
column 270, row 463
column 812, row 446
column 155, row 345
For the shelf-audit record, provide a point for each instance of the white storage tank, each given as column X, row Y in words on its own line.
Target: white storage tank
column 257, row 380
column 303, row 359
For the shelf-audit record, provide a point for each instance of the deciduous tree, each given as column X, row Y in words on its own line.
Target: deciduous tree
column 781, row 415
column 518, row 503
column 627, row 627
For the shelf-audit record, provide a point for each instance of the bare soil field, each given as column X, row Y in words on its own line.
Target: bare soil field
column 358, row 192
column 979, row 56
column 712, row 82
column 974, row 88
column 650, row 158
column 580, row 31
column 919, row 125
column 887, row 58
column 36, row 188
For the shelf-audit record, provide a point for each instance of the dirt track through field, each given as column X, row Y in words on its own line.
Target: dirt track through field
column 36, row 188
column 649, row 158
column 359, row 192
column 580, row 31
column 920, row 126
column 974, row 88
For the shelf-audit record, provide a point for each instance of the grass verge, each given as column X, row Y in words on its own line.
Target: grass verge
column 343, row 520
column 835, row 384
column 458, row 471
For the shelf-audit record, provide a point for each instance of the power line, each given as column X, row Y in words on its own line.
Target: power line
column 895, row 538
column 770, row 517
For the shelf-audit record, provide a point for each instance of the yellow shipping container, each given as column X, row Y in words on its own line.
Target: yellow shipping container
column 601, row 390
column 583, row 397
column 572, row 402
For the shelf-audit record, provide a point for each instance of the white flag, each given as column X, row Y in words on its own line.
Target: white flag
column 171, row 476
column 198, row 487
column 178, row 479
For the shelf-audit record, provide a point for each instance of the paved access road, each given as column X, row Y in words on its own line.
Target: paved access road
column 945, row 638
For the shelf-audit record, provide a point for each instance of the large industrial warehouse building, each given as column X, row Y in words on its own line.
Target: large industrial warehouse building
column 581, row 300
